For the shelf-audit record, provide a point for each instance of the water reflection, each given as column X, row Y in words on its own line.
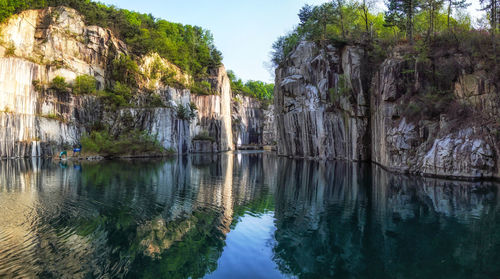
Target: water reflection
column 248, row 215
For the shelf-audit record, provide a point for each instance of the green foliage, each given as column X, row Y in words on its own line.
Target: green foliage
column 187, row 112
column 190, row 47
column 85, row 84
column 337, row 23
column 38, row 85
column 122, row 90
column 59, row 84
column 168, row 78
column 112, row 100
column 204, row 135
column 10, row 50
column 53, row 116
column 125, row 70
column 202, row 88
column 130, row 143
column 118, row 97
column 252, row 88
column 155, row 101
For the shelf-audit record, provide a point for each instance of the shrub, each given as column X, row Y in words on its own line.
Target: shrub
column 53, row 116
column 186, row 112
column 168, row 78
column 59, row 84
column 10, row 50
column 204, row 136
column 155, row 101
column 125, row 70
column 112, row 100
column 122, row 90
column 85, row 84
column 193, row 107
column 38, row 85
column 134, row 142
column 202, row 88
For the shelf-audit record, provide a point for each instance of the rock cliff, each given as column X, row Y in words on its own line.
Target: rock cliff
column 329, row 106
column 38, row 45
column 253, row 122
column 322, row 104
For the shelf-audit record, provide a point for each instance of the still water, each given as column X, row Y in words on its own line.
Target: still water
column 243, row 215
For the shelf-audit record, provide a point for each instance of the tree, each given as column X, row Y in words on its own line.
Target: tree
column 59, row 84
column 339, row 11
column 365, row 6
column 85, row 84
column 322, row 16
column 432, row 7
column 492, row 8
column 401, row 13
column 455, row 4
column 305, row 13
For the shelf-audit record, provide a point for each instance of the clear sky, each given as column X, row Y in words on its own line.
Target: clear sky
column 244, row 30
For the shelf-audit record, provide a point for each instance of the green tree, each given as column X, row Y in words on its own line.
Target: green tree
column 59, row 84
column 401, row 13
column 85, row 84
column 453, row 5
column 305, row 13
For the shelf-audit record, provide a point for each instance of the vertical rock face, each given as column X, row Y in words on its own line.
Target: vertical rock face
column 253, row 122
column 442, row 147
column 324, row 110
column 38, row 45
column 214, row 111
column 247, row 121
column 321, row 105
column 48, row 43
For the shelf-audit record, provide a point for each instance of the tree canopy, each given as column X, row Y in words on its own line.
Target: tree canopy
column 189, row 47
column 252, row 88
column 339, row 22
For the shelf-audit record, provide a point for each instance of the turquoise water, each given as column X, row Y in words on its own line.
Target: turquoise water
column 243, row 215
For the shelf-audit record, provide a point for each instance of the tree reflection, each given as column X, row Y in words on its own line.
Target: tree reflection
column 169, row 219
column 344, row 221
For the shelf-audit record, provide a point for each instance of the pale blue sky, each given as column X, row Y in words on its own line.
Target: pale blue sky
column 244, row 30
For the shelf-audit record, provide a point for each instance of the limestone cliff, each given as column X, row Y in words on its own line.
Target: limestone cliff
column 460, row 145
column 214, row 111
column 38, row 45
column 322, row 105
column 329, row 106
column 253, row 122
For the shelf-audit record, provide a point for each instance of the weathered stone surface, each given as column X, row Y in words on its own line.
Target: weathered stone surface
column 214, row 111
column 323, row 110
column 55, row 42
column 321, row 105
column 434, row 147
column 247, row 118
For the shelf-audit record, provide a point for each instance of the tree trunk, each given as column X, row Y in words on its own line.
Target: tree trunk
column 341, row 18
column 449, row 13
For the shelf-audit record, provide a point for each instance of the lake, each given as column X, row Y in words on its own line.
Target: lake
column 241, row 215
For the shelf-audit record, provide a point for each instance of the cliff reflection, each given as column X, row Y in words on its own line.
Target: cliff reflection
column 358, row 221
column 170, row 219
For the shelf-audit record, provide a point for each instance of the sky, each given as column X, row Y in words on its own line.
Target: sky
column 244, row 30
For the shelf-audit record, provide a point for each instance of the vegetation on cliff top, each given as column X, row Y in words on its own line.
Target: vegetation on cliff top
column 405, row 21
column 252, row 88
column 435, row 48
column 189, row 47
